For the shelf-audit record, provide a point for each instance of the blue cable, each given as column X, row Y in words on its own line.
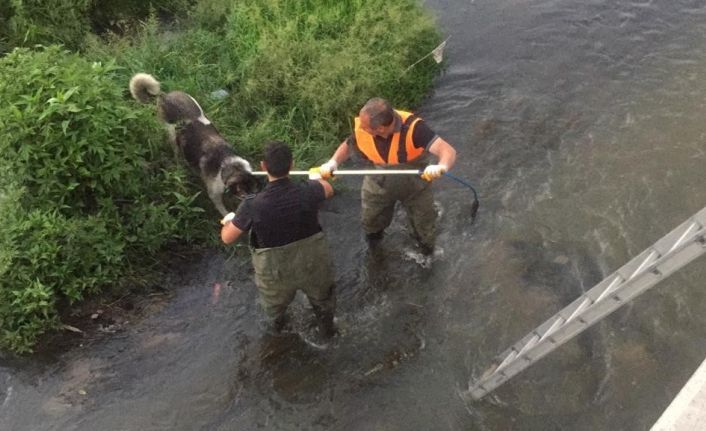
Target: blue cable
column 476, row 202
column 464, row 182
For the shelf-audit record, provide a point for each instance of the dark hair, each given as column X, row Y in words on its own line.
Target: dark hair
column 380, row 112
column 278, row 158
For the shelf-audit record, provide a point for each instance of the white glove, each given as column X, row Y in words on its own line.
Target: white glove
column 228, row 217
column 326, row 170
column 315, row 173
column 433, row 172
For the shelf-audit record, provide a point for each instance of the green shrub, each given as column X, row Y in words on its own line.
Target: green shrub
column 26, row 311
column 117, row 15
column 25, row 23
column 5, row 11
column 93, row 190
column 33, row 22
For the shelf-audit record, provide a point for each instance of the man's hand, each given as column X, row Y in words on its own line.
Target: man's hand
column 433, row 172
column 315, row 173
column 228, row 217
column 326, row 170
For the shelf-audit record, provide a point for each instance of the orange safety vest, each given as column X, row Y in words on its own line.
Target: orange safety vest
column 397, row 153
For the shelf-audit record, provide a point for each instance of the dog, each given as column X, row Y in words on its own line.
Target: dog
column 200, row 143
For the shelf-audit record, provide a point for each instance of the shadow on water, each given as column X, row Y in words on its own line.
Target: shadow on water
column 580, row 123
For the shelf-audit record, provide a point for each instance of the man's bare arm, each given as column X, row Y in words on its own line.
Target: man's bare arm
column 444, row 151
column 230, row 233
column 342, row 153
column 328, row 189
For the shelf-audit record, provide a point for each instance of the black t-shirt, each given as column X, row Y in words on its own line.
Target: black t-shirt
column 422, row 137
column 284, row 212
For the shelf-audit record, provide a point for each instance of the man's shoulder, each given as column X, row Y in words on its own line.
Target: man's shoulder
column 423, row 135
column 419, row 121
column 308, row 185
column 247, row 202
column 312, row 190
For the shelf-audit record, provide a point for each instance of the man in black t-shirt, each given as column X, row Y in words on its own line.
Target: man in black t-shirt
column 289, row 250
column 393, row 139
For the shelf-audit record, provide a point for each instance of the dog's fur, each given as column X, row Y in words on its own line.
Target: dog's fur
column 192, row 134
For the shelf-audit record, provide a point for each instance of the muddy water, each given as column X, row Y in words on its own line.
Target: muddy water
column 580, row 122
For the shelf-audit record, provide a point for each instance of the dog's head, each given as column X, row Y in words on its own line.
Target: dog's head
column 237, row 176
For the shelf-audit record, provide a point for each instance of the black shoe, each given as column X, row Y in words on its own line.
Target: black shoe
column 324, row 321
column 316, row 339
column 426, row 249
column 373, row 239
column 327, row 329
column 277, row 326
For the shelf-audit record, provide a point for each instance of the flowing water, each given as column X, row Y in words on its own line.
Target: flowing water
column 580, row 123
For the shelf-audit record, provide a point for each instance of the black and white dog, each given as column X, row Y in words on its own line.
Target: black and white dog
column 202, row 146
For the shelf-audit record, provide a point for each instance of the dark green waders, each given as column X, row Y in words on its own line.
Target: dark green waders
column 379, row 194
column 302, row 265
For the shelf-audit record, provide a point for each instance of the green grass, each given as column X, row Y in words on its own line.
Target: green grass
column 295, row 70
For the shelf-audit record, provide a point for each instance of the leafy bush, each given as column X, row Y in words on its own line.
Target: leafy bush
column 31, row 22
column 27, row 310
column 4, row 25
column 25, row 23
column 116, row 15
column 92, row 188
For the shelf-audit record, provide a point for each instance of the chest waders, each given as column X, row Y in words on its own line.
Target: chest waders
column 380, row 193
column 301, row 265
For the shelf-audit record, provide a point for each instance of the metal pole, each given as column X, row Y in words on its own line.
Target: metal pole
column 358, row 172
column 474, row 206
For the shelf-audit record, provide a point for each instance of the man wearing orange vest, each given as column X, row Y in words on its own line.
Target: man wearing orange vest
column 392, row 139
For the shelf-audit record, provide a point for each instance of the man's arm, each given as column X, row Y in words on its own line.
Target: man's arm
column 447, row 157
column 328, row 189
column 341, row 155
column 230, row 233
column 444, row 151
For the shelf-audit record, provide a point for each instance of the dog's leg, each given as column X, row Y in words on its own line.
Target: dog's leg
column 216, row 188
column 172, row 137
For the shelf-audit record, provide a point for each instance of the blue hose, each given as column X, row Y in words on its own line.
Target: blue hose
column 476, row 202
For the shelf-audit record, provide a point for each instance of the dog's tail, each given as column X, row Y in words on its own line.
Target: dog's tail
column 144, row 87
column 172, row 107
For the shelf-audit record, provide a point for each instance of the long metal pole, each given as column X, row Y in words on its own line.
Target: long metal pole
column 474, row 206
column 358, row 172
